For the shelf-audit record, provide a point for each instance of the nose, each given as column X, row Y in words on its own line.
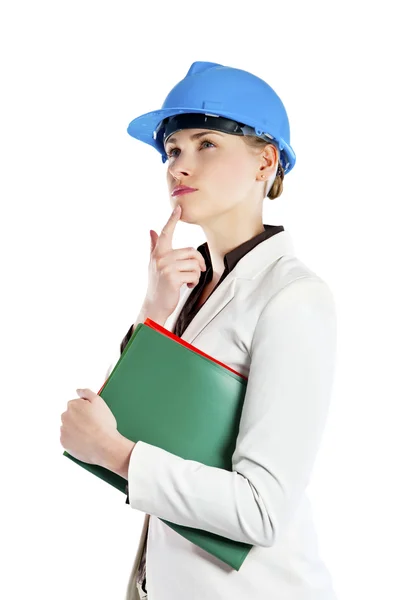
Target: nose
column 179, row 167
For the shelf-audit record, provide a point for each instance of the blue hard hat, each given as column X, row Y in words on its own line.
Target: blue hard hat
column 220, row 94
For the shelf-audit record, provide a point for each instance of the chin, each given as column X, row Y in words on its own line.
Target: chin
column 187, row 218
column 190, row 214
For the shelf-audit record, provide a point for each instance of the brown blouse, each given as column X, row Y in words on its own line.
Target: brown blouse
column 190, row 309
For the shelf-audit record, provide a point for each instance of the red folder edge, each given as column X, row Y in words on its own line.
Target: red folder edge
column 168, row 333
column 177, row 339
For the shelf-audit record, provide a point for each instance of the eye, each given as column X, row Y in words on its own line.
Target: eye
column 171, row 151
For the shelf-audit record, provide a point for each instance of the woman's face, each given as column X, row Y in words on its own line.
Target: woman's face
column 222, row 167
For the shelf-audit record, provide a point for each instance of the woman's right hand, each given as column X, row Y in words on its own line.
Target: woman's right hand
column 170, row 269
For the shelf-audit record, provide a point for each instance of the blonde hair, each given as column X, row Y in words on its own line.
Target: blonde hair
column 277, row 188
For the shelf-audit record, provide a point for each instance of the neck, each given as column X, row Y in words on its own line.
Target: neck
column 222, row 240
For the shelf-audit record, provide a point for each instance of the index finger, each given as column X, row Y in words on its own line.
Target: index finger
column 164, row 241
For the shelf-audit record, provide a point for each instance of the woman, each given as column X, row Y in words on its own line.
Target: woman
column 239, row 156
column 244, row 298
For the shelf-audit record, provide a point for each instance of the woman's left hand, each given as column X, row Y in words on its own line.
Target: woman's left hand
column 88, row 428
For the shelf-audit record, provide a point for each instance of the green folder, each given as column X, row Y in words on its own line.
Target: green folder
column 172, row 395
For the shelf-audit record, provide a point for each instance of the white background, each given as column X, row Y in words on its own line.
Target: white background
column 78, row 198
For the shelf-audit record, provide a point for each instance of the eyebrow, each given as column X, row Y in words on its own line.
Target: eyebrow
column 195, row 136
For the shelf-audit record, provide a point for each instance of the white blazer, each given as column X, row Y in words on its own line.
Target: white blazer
column 273, row 320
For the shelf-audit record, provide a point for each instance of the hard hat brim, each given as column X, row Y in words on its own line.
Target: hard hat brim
column 143, row 127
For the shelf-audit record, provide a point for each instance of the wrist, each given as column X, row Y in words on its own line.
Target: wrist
column 118, row 456
column 149, row 312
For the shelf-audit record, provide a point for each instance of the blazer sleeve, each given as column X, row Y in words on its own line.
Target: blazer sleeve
column 284, row 414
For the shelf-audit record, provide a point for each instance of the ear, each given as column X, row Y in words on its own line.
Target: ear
column 268, row 162
column 270, row 155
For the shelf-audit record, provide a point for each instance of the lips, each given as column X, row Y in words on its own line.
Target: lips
column 182, row 189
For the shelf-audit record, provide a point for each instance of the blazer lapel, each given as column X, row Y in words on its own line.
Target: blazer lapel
column 249, row 267
column 219, row 299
